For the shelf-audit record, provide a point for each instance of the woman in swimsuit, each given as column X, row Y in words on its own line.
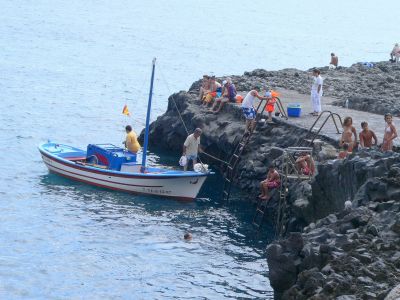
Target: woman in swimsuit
column 347, row 135
column 390, row 134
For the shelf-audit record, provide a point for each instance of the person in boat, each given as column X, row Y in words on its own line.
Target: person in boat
column 316, row 92
column 366, row 136
column 248, row 109
column 305, row 164
column 214, row 87
column 191, row 147
column 334, row 61
column 131, row 142
column 228, row 95
column 205, row 86
column 347, row 136
column 272, row 181
column 390, row 134
column 344, row 152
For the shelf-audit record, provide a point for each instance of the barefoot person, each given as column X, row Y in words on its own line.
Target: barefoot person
column 366, row 136
column 131, row 142
column 305, row 164
column 229, row 95
column 316, row 92
column 191, row 147
column 205, row 87
column 210, row 95
column 347, row 135
column 271, row 182
column 248, row 108
column 390, row 134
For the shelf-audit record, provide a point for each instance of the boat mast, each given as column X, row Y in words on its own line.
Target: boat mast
column 146, row 132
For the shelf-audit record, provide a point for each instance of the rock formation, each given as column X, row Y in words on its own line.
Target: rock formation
column 331, row 252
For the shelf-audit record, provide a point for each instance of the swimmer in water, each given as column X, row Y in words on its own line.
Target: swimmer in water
column 188, row 236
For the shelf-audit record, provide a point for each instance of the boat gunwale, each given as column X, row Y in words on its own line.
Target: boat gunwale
column 91, row 169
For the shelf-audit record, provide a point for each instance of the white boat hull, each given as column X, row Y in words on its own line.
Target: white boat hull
column 179, row 187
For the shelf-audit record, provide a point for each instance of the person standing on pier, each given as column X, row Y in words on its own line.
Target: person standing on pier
column 191, row 147
column 390, row 134
column 248, row 109
column 316, row 92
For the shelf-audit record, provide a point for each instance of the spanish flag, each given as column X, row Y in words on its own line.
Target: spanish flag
column 125, row 110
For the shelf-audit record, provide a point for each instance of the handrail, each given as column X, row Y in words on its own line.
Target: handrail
column 331, row 115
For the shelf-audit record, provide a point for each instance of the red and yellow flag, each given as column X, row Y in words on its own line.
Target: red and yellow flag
column 125, row 110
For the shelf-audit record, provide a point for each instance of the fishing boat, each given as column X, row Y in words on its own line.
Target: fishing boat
column 112, row 167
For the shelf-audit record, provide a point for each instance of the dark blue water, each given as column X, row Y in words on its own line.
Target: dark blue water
column 66, row 70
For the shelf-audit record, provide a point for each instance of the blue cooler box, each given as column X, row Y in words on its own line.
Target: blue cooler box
column 294, row 110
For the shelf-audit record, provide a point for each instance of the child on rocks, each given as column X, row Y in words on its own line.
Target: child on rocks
column 272, row 181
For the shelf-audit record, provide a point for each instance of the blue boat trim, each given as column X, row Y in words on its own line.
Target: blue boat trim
column 165, row 173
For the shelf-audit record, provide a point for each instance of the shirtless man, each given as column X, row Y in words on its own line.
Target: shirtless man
column 305, row 164
column 347, row 135
column 271, row 182
column 366, row 136
column 334, row 61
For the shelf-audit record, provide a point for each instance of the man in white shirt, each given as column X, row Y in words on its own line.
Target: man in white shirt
column 191, row 147
column 316, row 92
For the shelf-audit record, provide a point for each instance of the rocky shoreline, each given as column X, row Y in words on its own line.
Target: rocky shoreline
column 331, row 253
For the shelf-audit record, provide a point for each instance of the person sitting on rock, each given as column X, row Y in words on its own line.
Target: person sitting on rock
column 305, row 164
column 229, row 94
column 272, row 181
column 212, row 92
column 344, row 152
column 205, row 87
column 248, row 108
column 390, row 134
column 334, row 61
column 366, row 136
column 395, row 54
column 347, row 135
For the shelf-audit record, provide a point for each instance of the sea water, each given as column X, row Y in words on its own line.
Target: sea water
column 67, row 68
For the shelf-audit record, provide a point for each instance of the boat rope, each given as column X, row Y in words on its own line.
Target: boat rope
column 181, row 118
column 173, row 100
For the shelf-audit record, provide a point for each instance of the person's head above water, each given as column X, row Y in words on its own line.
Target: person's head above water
column 188, row 236
column 128, row 128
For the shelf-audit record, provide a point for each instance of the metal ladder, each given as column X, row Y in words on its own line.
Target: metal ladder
column 312, row 135
column 289, row 171
column 230, row 170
